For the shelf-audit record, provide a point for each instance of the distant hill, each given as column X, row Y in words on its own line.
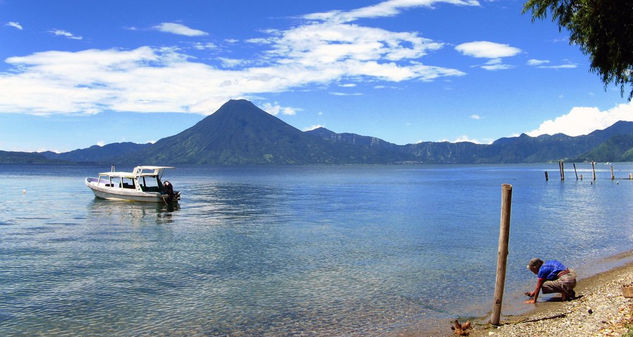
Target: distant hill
column 98, row 154
column 239, row 133
column 8, row 157
column 616, row 148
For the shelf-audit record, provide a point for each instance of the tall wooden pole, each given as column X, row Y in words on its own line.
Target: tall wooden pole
column 502, row 256
column 561, row 166
column 593, row 168
column 575, row 172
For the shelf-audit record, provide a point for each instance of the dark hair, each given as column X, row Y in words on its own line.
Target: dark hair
column 535, row 263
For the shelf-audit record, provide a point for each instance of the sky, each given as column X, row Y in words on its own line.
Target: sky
column 77, row 73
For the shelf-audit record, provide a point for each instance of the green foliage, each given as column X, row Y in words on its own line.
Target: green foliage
column 602, row 28
column 616, row 148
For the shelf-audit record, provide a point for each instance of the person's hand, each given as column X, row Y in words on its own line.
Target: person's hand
column 530, row 301
column 529, row 294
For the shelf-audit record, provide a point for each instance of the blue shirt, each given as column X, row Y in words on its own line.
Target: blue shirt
column 550, row 269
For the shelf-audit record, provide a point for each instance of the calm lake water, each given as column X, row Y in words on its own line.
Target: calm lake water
column 284, row 251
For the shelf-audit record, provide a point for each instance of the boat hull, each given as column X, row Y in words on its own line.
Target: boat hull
column 116, row 193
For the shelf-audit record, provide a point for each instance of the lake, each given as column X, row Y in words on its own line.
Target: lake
column 287, row 251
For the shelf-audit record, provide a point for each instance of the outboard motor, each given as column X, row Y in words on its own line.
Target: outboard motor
column 169, row 189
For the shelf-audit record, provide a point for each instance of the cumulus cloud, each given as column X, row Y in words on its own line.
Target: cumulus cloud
column 275, row 109
column 155, row 79
column 61, row 32
column 584, row 120
column 475, row 117
column 14, row 24
column 178, row 29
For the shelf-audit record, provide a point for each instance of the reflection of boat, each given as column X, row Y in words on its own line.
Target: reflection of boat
column 142, row 184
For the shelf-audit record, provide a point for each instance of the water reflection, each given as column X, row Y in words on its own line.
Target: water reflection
column 129, row 212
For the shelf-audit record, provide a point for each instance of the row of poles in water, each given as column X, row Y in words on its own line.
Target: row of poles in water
column 561, row 168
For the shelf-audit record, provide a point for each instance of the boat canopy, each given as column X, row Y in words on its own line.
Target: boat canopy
column 139, row 171
column 128, row 175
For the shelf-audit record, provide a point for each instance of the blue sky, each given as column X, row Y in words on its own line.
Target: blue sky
column 79, row 73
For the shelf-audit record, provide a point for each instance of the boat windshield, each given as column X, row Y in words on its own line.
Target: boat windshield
column 150, row 183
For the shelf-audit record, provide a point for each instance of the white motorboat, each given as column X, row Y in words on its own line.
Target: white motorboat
column 142, row 184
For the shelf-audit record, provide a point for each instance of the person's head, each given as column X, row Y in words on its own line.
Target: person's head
column 534, row 265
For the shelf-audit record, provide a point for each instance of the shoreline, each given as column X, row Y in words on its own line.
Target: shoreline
column 600, row 309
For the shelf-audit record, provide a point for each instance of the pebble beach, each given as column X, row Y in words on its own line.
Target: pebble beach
column 600, row 309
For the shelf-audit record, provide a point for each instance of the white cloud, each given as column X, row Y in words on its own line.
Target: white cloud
column 496, row 64
column 465, row 138
column 490, row 50
column 60, row 32
column 584, row 120
column 231, row 63
column 475, row 117
column 313, row 127
column 14, row 24
column 101, row 143
column 383, row 9
column 487, row 49
column 178, row 29
column 543, row 64
column 275, row 109
column 155, row 79
column 336, row 93
column 204, row 46
column 535, row 62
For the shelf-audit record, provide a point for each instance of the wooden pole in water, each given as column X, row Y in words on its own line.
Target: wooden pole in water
column 612, row 175
column 546, row 176
column 593, row 168
column 561, row 166
column 575, row 172
column 502, row 256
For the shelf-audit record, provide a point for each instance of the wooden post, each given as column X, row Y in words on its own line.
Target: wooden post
column 612, row 175
column 630, row 176
column 502, row 255
column 593, row 168
column 575, row 172
column 561, row 166
column 546, row 176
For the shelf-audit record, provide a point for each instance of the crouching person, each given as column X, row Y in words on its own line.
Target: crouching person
column 553, row 277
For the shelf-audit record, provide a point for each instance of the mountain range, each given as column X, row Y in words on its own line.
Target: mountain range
column 239, row 133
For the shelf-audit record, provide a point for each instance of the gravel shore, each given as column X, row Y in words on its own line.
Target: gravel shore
column 600, row 309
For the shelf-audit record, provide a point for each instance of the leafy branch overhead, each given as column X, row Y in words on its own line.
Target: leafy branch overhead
column 602, row 28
